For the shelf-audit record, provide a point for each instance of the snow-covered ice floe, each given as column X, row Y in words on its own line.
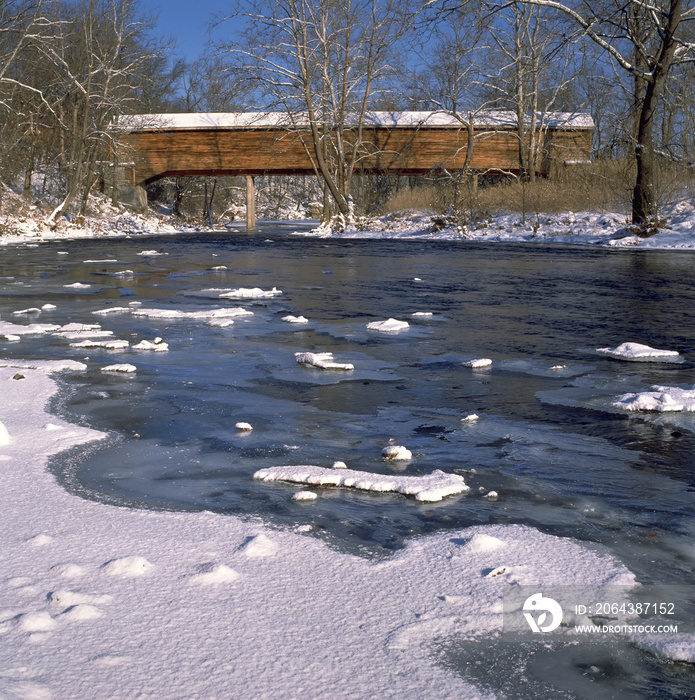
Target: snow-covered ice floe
column 157, row 345
column 322, row 360
column 106, row 344
column 397, row 453
column 431, row 487
column 673, row 646
column 126, row 368
column 660, row 398
column 390, row 325
column 636, row 352
column 478, row 362
column 238, row 293
column 295, row 319
column 196, row 315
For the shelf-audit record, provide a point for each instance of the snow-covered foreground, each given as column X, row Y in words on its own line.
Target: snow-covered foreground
column 99, row 601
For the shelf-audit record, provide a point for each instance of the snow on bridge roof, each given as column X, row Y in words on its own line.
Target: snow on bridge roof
column 249, row 120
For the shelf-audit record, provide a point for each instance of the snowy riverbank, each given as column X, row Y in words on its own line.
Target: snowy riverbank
column 101, row 601
column 609, row 229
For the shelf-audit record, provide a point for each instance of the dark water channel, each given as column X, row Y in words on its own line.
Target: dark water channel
column 547, row 439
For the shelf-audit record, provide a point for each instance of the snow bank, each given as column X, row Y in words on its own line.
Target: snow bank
column 322, row 360
column 637, row 352
column 660, row 398
column 432, row 487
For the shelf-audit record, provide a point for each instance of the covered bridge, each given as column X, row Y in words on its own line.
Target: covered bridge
column 152, row 146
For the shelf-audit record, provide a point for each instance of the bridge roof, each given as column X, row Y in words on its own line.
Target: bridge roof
column 272, row 120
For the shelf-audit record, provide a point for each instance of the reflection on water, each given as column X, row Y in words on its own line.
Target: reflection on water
column 564, row 465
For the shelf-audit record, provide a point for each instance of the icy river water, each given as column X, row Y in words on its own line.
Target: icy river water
column 547, row 439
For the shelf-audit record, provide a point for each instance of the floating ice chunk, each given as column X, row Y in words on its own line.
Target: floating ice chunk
column 339, row 465
column 390, row 325
column 660, row 398
column 106, row 344
column 244, row 427
column 112, row 310
column 48, row 307
column 120, row 368
column 470, row 418
column 106, row 260
column 79, row 327
column 322, row 360
column 219, row 267
column 637, row 352
column 492, row 495
column 478, row 362
column 77, row 285
column 422, row 314
column 250, row 293
column 84, row 333
column 127, row 567
column 305, row 496
column 214, row 574
column 5, row 438
column 295, row 319
column 7, row 328
column 11, row 337
column 158, row 345
column 208, row 314
column 558, row 367
column 151, row 252
column 396, row 453
column 124, row 273
column 32, row 310
column 221, row 322
column 259, row 546
column 431, row 487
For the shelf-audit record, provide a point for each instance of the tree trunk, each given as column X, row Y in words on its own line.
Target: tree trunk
column 644, row 197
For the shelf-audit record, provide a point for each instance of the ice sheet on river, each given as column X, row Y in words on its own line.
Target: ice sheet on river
column 432, row 487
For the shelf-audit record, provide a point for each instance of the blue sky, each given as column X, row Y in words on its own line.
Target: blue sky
column 186, row 21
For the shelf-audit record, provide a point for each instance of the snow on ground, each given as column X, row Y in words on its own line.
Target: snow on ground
column 585, row 228
column 102, row 601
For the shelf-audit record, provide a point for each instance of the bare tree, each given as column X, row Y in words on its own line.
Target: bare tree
column 99, row 57
column 322, row 62
column 646, row 39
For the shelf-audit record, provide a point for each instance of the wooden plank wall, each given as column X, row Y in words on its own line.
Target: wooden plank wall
column 187, row 152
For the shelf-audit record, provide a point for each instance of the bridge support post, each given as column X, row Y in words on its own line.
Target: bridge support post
column 250, row 202
column 120, row 183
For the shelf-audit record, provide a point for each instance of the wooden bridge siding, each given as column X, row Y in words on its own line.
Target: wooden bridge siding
column 269, row 151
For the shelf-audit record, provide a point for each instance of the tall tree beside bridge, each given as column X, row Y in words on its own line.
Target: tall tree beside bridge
column 647, row 39
column 323, row 62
